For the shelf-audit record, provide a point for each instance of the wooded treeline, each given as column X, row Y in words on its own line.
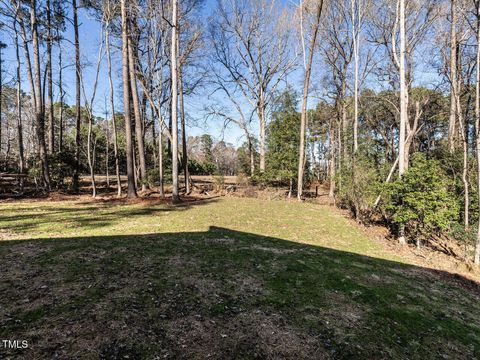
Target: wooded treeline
column 378, row 99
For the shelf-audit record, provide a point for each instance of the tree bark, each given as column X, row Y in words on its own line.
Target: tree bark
column 252, row 155
column 356, row 35
column 131, row 191
column 403, row 104
column 51, row 117
column 174, row 71
column 107, row 150
column 137, row 113
column 453, row 77
column 463, row 128
column 263, row 125
column 60, row 89
column 306, row 85
column 477, row 128
column 1, row 96
column 76, row 172
column 184, row 134
column 161, row 190
column 39, row 111
column 89, row 156
column 21, row 159
column 332, row 170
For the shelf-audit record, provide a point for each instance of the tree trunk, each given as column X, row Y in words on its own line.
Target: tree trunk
column 21, row 159
column 184, row 134
column 463, row 128
column 403, row 104
column 76, row 171
column 51, row 117
column 306, row 85
column 182, row 119
column 344, row 122
column 107, row 150
column 28, row 62
column 60, row 89
column 131, row 191
column 477, row 129
column 356, row 35
column 1, row 96
column 453, row 77
column 161, row 190
column 263, row 125
column 174, row 71
column 137, row 113
column 39, row 113
column 252, row 156
column 89, row 156
column 332, row 160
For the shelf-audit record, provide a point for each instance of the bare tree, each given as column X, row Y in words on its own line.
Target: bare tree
column 51, row 117
column 21, row 158
column 338, row 54
column 39, row 108
column 132, row 62
column 174, row 102
column 76, row 171
column 453, row 76
column 317, row 7
column 250, row 40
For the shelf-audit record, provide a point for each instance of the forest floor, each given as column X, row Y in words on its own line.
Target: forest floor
column 219, row 278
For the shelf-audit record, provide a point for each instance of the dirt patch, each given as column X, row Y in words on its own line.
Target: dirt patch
column 252, row 333
column 180, row 262
column 343, row 315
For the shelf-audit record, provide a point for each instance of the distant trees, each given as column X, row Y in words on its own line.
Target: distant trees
column 207, row 157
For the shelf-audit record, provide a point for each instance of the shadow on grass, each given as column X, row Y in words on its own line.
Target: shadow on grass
column 225, row 294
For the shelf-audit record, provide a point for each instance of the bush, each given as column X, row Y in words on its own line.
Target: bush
column 153, row 175
column 61, row 166
column 197, row 168
column 358, row 193
column 422, row 201
column 219, row 182
column 261, row 179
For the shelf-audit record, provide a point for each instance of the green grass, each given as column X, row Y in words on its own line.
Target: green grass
column 224, row 278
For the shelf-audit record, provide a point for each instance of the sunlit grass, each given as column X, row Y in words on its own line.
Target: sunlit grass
column 303, row 223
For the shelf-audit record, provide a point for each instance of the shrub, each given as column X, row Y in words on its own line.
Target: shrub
column 358, row 193
column 421, row 201
column 219, row 182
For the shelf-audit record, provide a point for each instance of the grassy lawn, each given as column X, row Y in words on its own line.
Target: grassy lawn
column 220, row 278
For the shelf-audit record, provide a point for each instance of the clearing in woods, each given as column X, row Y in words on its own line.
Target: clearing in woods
column 219, row 278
